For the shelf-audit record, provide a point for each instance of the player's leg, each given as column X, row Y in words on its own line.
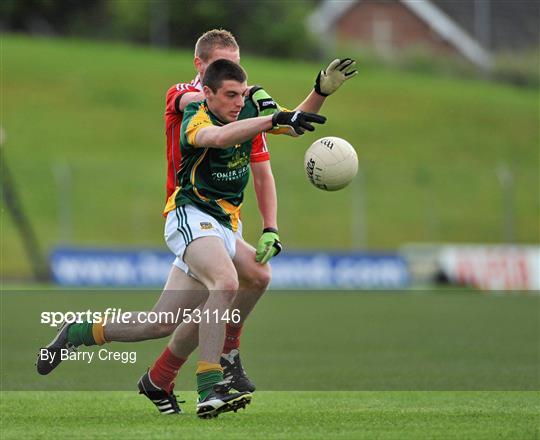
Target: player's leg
column 210, row 261
column 181, row 292
column 161, row 376
column 158, row 382
column 254, row 279
column 187, row 293
column 188, row 237
column 253, row 282
column 185, row 338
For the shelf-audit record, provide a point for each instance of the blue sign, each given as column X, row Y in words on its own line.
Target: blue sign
column 339, row 271
column 290, row 270
column 103, row 267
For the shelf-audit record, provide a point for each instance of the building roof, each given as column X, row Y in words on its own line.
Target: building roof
column 329, row 12
column 512, row 25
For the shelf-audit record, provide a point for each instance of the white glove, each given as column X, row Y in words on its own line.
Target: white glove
column 331, row 79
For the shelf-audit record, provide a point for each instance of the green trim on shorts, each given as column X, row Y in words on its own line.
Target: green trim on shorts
column 181, row 216
column 187, row 224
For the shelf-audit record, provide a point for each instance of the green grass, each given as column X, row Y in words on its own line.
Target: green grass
column 278, row 415
column 428, row 147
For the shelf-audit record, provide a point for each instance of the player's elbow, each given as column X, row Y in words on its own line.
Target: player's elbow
column 214, row 140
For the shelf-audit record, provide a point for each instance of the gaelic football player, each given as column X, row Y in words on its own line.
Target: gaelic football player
column 185, row 292
column 203, row 213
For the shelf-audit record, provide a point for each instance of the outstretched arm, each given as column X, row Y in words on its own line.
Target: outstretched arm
column 312, row 103
column 327, row 82
column 232, row 133
column 240, row 131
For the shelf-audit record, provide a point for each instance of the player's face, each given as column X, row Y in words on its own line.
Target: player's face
column 228, row 100
column 217, row 54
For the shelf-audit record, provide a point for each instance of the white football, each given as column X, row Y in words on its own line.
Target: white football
column 330, row 163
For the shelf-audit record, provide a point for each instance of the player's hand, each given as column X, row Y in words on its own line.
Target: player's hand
column 268, row 246
column 331, row 79
column 266, row 106
column 298, row 121
column 264, row 103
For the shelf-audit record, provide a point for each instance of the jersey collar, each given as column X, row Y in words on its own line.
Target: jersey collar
column 197, row 83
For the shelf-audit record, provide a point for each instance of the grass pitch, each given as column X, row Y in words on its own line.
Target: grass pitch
column 277, row 415
column 328, row 365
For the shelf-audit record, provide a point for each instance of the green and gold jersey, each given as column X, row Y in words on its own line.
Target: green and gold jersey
column 212, row 179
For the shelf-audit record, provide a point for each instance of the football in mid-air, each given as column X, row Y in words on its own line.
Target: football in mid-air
column 330, row 163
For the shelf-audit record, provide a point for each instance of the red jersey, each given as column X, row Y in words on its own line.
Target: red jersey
column 173, row 122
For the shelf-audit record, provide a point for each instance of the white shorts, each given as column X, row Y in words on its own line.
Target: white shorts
column 187, row 223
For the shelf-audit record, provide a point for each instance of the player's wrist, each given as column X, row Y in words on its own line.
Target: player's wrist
column 274, row 119
column 262, row 101
column 270, row 229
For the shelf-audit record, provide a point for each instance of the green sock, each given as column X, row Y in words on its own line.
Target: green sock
column 81, row 334
column 206, row 381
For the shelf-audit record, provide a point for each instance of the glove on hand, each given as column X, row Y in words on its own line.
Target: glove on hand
column 298, row 121
column 268, row 246
column 331, row 79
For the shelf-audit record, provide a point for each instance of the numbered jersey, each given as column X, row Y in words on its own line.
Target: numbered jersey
column 212, row 179
column 173, row 123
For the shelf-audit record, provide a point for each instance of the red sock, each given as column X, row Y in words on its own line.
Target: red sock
column 165, row 369
column 232, row 338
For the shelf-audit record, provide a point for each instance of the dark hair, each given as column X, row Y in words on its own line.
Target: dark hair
column 222, row 70
column 214, row 39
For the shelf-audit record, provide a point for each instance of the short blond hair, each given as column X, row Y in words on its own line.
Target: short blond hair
column 214, row 39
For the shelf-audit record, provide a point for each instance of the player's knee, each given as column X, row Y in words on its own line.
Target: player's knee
column 260, row 278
